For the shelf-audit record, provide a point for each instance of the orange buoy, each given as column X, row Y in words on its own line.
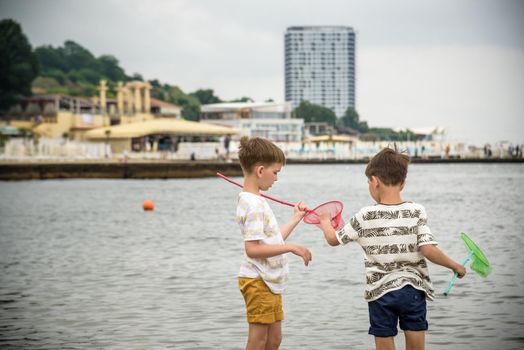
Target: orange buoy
column 148, row 205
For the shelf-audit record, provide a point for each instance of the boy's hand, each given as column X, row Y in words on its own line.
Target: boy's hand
column 325, row 217
column 328, row 229
column 460, row 270
column 302, row 252
column 300, row 209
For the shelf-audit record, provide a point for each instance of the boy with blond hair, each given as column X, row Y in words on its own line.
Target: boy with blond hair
column 264, row 269
column 396, row 241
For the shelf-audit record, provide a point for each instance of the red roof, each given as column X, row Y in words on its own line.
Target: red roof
column 159, row 103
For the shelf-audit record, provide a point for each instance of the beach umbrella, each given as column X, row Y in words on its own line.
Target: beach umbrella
column 479, row 264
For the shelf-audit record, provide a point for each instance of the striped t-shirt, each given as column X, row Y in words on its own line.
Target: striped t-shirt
column 390, row 236
column 258, row 223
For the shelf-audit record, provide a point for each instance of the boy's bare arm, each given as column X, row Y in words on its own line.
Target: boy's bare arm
column 298, row 213
column 436, row 256
column 290, row 226
column 329, row 232
column 257, row 249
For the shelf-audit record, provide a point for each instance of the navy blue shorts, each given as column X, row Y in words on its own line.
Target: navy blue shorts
column 407, row 305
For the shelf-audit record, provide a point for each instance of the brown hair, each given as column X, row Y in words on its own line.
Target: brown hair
column 257, row 150
column 390, row 166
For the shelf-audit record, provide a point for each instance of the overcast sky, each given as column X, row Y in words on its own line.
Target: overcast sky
column 452, row 63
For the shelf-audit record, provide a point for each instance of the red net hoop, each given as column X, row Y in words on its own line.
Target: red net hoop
column 334, row 208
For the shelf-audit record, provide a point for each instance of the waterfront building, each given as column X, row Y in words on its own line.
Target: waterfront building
column 319, row 128
column 57, row 116
column 320, row 66
column 62, row 116
column 271, row 120
column 159, row 134
column 165, row 109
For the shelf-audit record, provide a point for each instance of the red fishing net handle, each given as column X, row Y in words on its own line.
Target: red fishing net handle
column 263, row 195
column 312, row 216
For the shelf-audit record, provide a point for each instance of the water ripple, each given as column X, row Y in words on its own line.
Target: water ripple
column 83, row 266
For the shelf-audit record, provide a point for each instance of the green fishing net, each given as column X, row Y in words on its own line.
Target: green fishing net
column 480, row 263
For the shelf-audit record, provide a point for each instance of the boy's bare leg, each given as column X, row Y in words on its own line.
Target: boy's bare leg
column 415, row 340
column 274, row 336
column 257, row 338
column 384, row 343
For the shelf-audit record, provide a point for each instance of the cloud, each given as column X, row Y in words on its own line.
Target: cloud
column 473, row 91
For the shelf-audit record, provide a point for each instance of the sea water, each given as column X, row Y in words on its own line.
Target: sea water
column 83, row 266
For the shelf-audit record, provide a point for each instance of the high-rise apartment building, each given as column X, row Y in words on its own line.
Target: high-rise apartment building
column 320, row 66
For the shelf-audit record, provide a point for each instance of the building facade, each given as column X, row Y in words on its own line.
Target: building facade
column 271, row 120
column 58, row 116
column 320, row 66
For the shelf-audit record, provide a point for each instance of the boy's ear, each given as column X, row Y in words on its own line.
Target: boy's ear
column 258, row 170
column 374, row 180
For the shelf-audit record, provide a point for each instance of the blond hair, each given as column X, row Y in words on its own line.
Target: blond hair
column 256, row 150
column 390, row 166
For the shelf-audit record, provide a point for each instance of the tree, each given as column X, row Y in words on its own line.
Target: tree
column 243, row 99
column 363, row 126
column 56, row 74
column 206, row 96
column 155, row 83
column 311, row 112
column 89, row 75
column 191, row 111
column 76, row 56
column 388, row 134
column 18, row 64
column 190, row 104
column 351, row 119
column 77, row 70
column 50, row 58
column 137, row 76
column 110, row 69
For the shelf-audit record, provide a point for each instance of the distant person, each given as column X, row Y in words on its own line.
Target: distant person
column 510, row 150
column 125, row 156
column 218, row 156
column 227, row 141
column 264, row 269
column 151, row 141
column 396, row 241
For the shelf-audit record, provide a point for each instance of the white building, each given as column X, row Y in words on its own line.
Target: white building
column 165, row 109
column 271, row 120
column 320, row 66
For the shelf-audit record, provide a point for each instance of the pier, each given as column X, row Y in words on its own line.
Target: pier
column 169, row 169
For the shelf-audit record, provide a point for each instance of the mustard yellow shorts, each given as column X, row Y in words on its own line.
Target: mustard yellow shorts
column 263, row 306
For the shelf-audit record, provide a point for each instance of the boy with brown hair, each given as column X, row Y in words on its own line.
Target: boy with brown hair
column 264, row 269
column 396, row 241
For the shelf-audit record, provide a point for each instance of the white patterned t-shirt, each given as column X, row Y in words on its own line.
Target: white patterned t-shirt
column 258, row 223
column 390, row 236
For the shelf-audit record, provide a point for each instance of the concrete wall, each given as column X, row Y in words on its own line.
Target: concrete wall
column 116, row 170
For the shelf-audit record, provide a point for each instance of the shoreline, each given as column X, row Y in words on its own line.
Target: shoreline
column 169, row 169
